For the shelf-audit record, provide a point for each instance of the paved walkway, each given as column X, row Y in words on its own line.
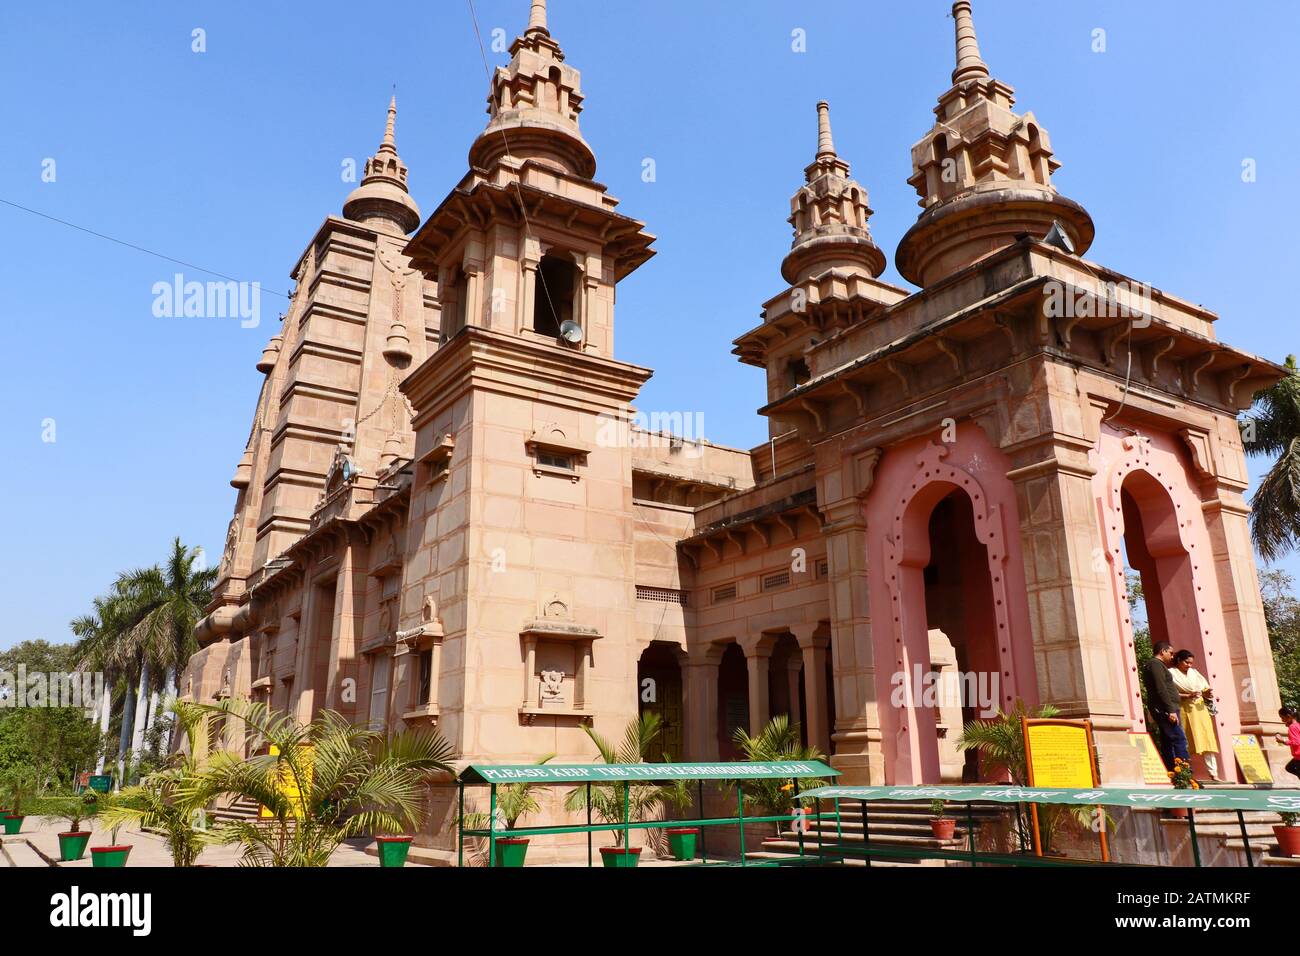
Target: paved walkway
column 38, row 845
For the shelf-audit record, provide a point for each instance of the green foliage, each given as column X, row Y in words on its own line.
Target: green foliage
column 778, row 742
column 74, row 808
column 17, row 787
column 514, row 802
column 322, row 782
column 937, row 808
column 172, row 799
column 610, row 802
column 1000, row 741
column 1273, row 430
column 53, row 742
column 1282, row 613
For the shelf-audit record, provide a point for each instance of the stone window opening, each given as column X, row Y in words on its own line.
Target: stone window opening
column 797, row 372
column 557, row 283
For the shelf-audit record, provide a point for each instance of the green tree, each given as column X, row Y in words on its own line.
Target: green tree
column 778, row 742
column 172, row 800
column 610, row 801
column 1282, row 613
column 322, row 782
column 1273, row 430
column 54, row 743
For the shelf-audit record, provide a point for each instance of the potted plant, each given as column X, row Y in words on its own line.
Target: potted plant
column 615, row 802
column 393, row 850
column 114, row 855
column 942, row 827
column 1182, row 779
column 72, row 844
column 19, row 785
column 1288, row 834
column 514, row 802
column 778, row 742
column 681, row 842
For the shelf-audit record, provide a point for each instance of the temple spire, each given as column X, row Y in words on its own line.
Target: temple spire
column 537, row 18
column 383, row 196
column 825, row 144
column 389, row 139
column 970, row 65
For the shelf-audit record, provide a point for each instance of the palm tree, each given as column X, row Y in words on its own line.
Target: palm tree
column 143, row 627
column 321, row 783
column 1274, row 430
column 172, row 800
column 778, row 742
column 607, row 800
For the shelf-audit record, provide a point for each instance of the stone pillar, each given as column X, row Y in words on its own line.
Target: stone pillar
column 856, row 741
column 348, row 598
column 1076, row 652
column 1253, row 670
column 700, row 706
column 757, row 659
column 815, row 646
column 792, row 667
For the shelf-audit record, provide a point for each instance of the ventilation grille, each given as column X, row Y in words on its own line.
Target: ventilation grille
column 778, row 580
column 823, row 568
column 727, row 593
column 662, row 595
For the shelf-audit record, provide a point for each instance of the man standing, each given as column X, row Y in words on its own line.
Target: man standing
column 1164, row 703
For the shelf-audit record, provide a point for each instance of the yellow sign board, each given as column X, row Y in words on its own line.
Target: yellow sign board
column 1059, row 754
column 1250, row 757
column 288, row 784
column 1153, row 768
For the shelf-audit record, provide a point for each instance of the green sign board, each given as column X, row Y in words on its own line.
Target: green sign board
column 619, row 773
column 101, row 783
column 1279, row 801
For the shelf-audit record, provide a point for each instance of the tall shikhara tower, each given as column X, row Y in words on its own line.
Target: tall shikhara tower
column 359, row 318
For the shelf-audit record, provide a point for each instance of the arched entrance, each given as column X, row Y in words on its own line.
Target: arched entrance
column 1179, row 590
column 785, row 683
column 659, row 691
column 946, row 564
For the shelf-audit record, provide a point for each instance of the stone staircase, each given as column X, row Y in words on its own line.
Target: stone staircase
column 240, row 809
column 890, row 824
column 1218, row 834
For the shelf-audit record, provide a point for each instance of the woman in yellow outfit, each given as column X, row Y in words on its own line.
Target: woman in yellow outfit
column 1198, row 718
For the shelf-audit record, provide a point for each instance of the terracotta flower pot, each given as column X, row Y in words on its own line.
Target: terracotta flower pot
column 943, row 828
column 511, row 851
column 110, row 857
column 393, row 850
column 617, row 856
column 13, row 824
column 1288, row 840
column 681, row 840
column 72, row 846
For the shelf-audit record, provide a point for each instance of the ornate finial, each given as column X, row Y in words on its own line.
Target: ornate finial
column 389, row 139
column 969, row 63
column 383, row 193
column 537, row 18
column 825, row 145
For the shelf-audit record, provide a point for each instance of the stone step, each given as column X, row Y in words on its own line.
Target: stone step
column 18, row 852
column 1272, row 860
column 790, row 848
column 881, row 834
column 770, row 856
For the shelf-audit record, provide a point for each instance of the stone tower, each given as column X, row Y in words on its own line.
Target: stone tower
column 329, row 407
column 521, row 514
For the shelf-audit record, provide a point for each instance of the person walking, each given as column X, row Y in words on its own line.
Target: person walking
column 1196, row 710
column 1291, row 738
column 1165, row 705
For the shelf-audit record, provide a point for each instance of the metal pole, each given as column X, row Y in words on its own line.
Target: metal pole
column 800, row 819
column 627, row 813
column 704, row 853
column 460, row 826
column 866, row 832
column 1191, row 825
column 740, row 812
column 821, row 840
column 492, row 826
column 970, row 831
column 1245, row 838
column 589, row 833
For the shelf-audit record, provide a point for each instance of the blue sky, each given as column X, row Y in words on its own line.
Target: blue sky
column 230, row 158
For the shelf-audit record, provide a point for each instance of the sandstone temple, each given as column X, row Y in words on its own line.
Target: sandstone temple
column 447, row 514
